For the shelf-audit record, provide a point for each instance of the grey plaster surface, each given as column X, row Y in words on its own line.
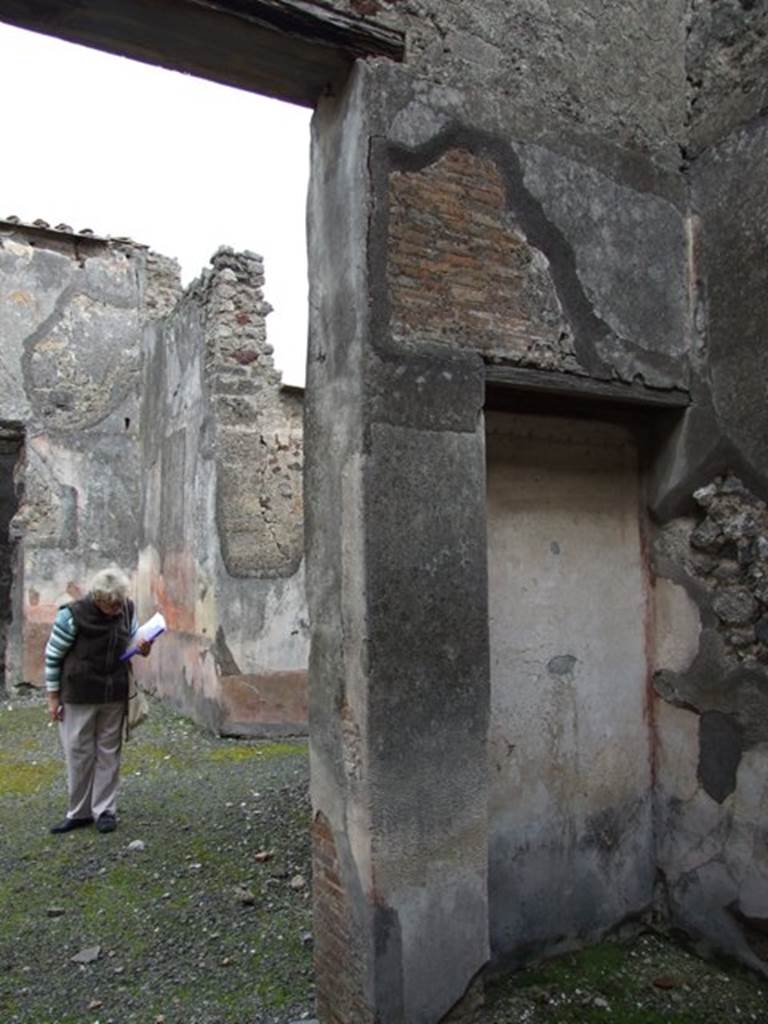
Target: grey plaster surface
column 713, row 871
column 377, row 684
column 614, row 72
column 334, row 534
column 730, row 198
column 727, row 65
column 629, row 251
column 427, row 616
column 709, row 810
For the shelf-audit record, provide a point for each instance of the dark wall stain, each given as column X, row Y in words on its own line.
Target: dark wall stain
column 223, row 657
column 720, row 749
column 562, row 665
column 389, row 952
column 755, row 931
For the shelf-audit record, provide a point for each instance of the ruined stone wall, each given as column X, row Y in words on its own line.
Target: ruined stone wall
column 222, row 521
column 71, row 315
column 727, row 67
column 518, row 197
column 612, row 230
column 712, row 718
column 523, row 189
column 156, row 437
column 591, row 68
column 712, row 474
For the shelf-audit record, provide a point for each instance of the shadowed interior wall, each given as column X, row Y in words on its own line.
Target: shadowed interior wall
column 711, row 556
column 570, row 750
column 10, row 445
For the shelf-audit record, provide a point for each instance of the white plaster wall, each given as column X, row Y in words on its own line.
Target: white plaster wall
column 677, row 627
column 570, row 752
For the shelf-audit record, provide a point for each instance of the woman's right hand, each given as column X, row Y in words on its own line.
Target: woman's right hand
column 55, row 707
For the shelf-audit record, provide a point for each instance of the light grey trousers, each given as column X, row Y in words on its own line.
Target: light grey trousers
column 92, row 739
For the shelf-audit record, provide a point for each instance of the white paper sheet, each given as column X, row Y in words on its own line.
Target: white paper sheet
column 148, row 631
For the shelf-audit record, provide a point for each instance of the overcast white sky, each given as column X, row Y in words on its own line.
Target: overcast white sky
column 178, row 163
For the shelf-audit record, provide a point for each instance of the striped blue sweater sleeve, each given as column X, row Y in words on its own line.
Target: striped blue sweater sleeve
column 62, row 637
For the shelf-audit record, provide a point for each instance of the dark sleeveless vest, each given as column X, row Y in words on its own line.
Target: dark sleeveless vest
column 92, row 672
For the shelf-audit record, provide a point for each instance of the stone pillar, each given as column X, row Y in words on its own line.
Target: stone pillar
column 397, row 589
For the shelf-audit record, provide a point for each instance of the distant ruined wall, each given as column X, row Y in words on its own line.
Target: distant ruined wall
column 156, row 436
column 71, row 315
column 222, row 519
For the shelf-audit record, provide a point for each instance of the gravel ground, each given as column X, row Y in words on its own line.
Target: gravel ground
column 648, row 981
column 208, row 921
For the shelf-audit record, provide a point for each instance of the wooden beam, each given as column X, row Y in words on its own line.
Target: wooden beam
column 316, row 23
column 294, row 51
column 568, row 385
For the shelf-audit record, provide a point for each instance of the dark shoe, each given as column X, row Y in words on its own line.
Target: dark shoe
column 106, row 822
column 71, row 823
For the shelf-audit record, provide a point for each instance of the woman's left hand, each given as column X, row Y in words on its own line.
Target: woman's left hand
column 55, row 707
column 145, row 647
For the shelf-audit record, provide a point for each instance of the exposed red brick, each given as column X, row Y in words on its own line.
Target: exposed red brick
column 338, row 965
column 365, row 7
column 244, row 356
column 460, row 273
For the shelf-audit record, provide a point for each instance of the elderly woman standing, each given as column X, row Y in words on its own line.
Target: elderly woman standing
column 87, row 687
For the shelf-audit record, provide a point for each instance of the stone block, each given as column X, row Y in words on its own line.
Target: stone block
column 274, row 703
column 677, row 626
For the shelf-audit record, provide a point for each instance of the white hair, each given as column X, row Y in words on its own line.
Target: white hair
column 110, row 584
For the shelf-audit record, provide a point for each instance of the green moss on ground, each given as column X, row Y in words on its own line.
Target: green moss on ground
column 175, row 936
column 262, row 751
column 648, row 981
column 22, row 778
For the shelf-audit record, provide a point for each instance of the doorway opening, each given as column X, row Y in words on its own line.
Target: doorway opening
column 11, row 449
column 306, row 55
column 570, row 750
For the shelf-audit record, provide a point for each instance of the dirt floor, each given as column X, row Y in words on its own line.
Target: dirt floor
column 197, row 909
column 208, row 921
